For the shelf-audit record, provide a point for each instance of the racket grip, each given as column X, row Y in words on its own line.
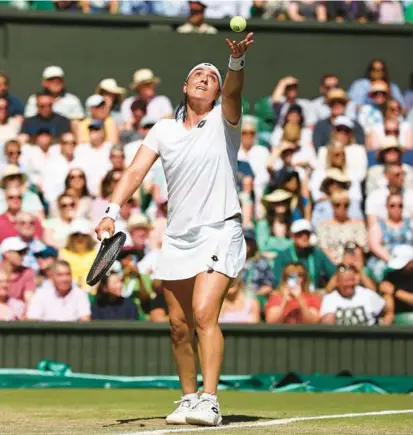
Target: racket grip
column 105, row 235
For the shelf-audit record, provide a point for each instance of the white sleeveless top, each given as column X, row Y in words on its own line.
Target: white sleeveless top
column 200, row 167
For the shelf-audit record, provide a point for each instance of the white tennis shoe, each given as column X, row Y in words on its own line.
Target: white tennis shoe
column 205, row 412
column 180, row 413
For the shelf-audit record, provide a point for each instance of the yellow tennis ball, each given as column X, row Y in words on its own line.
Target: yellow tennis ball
column 238, row 24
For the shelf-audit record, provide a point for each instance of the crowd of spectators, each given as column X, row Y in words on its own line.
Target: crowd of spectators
column 373, row 11
column 325, row 187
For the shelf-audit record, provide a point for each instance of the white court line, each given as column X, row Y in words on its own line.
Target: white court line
column 269, row 422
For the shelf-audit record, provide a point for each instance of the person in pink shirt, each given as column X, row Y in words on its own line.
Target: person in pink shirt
column 10, row 308
column 22, row 285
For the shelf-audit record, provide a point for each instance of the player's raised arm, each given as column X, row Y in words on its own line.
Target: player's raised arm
column 234, row 80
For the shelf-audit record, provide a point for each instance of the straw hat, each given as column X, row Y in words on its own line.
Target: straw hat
column 138, row 220
column 286, row 145
column 10, row 171
column 110, row 85
column 388, row 142
column 278, row 195
column 336, row 175
column 379, row 86
column 144, row 76
column 337, row 94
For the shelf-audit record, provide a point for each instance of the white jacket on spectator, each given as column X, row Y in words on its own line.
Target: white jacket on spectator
column 67, row 105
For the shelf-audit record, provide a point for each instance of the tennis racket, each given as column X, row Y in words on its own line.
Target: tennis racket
column 107, row 255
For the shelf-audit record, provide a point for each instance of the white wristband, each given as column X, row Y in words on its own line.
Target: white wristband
column 236, row 63
column 112, row 211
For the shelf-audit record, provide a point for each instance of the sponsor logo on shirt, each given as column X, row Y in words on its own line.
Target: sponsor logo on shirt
column 201, row 124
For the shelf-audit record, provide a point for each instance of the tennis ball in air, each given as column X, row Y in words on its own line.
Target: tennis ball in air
column 238, row 24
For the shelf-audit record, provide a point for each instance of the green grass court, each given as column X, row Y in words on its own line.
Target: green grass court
column 84, row 412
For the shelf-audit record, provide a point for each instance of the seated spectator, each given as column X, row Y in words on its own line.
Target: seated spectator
column 10, row 308
column 131, row 132
column 98, row 111
column 144, row 84
column 131, row 148
column 306, row 10
column 352, row 304
column 97, row 6
column 343, row 133
column 257, row 275
column 97, row 150
column 339, row 105
column 9, row 126
column 345, row 10
column 354, row 256
column 372, row 115
column 397, row 284
column 12, row 152
column 390, row 152
column 376, row 201
column 65, row 5
column 139, row 228
column 110, row 304
column 313, row 258
column 360, row 88
column 269, row 9
column 245, row 187
column 46, row 258
column 8, row 220
column 388, row 12
column 285, row 95
column 64, row 103
column 273, row 231
column 13, row 177
column 56, row 230
column 117, row 158
column 387, row 233
column 80, row 251
column 321, row 104
column 239, row 306
column 59, row 300
column 293, row 302
column 256, row 156
column 196, row 20
column 335, row 233
column 393, row 125
column 13, row 251
column 15, row 107
column 46, row 118
column 113, row 95
column 107, row 186
column 334, row 180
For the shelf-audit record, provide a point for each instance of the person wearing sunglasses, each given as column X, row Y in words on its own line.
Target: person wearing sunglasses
column 9, row 126
column 360, row 88
column 352, row 304
column 12, row 152
column 388, row 233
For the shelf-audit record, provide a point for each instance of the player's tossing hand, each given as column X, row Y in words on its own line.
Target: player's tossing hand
column 106, row 225
column 238, row 49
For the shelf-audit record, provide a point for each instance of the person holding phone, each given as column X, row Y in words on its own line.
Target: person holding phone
column 293, row 302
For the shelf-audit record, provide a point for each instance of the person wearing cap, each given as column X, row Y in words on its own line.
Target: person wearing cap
column 351, row 304
column 343, row 133
column 59, row 299
column 372, row 114
column 64, row 103
column 98, row 110
column 321, row 106
column 386, row 234
column 46, row 258
column 397, row 284
column 13, row 176
column 203, row 249
column 390, row 151
column 45, row 118
column 13, row 251
column 15, row 106
column 338, row 104
column 376, row 200
column 113, row 95
column 284, row 95
column 318, row 265
column 360, row 88
column 144, row 84
column 130, row 132
column 79, row 251
column 196, row 20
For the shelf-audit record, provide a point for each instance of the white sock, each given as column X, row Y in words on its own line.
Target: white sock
column 191, row 397
column 212, row 397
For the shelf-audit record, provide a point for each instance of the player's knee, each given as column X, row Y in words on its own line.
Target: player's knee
column 180, row 330
column 205, row 317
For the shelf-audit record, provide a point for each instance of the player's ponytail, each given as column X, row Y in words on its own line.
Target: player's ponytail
column 181, row 110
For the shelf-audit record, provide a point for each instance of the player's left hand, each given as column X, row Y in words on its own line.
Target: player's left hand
column 238, row 49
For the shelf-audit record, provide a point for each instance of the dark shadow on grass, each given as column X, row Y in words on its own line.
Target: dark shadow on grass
column 230, row 419
column 133, row 420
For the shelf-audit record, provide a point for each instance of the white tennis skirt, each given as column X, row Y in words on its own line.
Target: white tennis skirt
column 219, row 247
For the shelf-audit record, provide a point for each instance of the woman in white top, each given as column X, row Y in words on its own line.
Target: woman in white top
column 203, row 248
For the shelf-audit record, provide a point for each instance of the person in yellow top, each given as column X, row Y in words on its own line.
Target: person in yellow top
column 98, row 110
column 79, row 251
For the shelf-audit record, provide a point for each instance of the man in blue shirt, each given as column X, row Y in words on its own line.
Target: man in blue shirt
column 15, row 107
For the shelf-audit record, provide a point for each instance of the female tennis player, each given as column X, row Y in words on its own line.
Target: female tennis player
column 203, row 249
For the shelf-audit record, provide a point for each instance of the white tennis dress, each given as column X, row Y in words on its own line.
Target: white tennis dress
column 203, row 231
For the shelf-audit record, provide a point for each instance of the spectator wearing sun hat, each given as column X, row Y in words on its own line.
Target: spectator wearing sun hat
column 317, row 264
column 337, row 102
column 372, row 114
column 144, row 84
column 390, row 151
column 98, row 111
column 113, row 95
column 65, row 103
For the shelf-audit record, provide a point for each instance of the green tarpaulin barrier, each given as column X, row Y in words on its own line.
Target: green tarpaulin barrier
column 51, row 374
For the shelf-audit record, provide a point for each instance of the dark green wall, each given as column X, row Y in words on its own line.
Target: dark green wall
column 144, row 348
column 90, row 48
